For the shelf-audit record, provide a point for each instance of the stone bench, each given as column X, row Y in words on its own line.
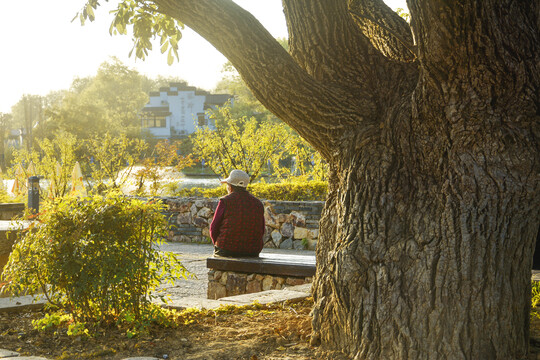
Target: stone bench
column 236, row 276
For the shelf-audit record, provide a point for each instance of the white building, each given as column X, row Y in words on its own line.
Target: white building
column 175, row 111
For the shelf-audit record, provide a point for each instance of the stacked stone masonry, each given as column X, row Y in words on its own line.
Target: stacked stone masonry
column 289, row 224
column 228, row 283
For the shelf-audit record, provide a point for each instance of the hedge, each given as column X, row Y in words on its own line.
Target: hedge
column 285, row 191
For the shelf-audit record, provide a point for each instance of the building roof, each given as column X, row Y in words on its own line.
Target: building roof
column 156, row 108
column 218, row 99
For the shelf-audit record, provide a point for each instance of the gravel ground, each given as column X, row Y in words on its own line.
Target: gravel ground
column 193, row 257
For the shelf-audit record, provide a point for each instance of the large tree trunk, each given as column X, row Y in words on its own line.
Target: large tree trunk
column 428, row 231
column 429, row 269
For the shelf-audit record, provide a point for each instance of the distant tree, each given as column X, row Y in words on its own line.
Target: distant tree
column 5, row 126
column 241, row 143
column 108, row 102
column 153, row 84
column 28, row 114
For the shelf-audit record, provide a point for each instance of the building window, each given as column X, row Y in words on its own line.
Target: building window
column 201, row 120
column 154, row 121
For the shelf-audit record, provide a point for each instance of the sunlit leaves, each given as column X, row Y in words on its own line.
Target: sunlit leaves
column 405, row 15
column 95, row 258
column 313, row 190
column 112, row 159
column 52, row 159
column 240, row 143
column 307, row 162
column 147, row 24
column 247, row 144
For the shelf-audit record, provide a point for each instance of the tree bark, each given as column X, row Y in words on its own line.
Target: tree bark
column 428, row 231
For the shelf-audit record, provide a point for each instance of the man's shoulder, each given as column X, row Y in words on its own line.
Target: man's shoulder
column 242, row 196
column 256, row 200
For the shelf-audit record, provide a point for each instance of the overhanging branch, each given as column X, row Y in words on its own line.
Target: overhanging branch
column 319, row 111
column 386, row 30
column 324, row 40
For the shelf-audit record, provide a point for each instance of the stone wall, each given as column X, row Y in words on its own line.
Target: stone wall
column 289, row 224
column 228, row 283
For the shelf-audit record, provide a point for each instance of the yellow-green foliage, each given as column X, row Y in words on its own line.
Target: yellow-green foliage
column 95, row 258
column 44, row 160
column 240, row 143
column 284, row 191
column 290, row 191
column 4, row 196
column 202, row 192
column 114, row 158
column 255, row 147
column 535, row 298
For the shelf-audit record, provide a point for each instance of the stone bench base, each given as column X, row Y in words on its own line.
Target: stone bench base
column 231, row 283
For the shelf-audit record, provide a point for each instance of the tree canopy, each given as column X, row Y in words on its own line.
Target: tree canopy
column 110, row 100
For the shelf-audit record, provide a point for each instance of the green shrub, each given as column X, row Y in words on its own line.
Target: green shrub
column 291, row 191
column 284, row 191
column 95, row 258
column 535, row 298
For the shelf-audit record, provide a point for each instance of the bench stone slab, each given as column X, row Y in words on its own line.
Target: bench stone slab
column 270, row 264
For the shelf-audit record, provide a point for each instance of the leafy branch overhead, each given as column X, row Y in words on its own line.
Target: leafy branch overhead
column 147, row 23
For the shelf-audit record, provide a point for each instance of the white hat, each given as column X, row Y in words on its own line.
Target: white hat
column 237, row 178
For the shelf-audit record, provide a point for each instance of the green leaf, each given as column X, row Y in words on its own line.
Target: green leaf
column 170, row 58
column 147, row 24
column 90, row 12
column 164, row 48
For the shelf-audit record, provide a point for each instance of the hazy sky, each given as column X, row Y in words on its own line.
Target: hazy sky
column 42, row 50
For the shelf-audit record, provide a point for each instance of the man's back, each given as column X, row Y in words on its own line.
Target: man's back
column 242, row 225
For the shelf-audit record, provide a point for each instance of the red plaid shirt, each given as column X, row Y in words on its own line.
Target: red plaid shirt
column 238, row 224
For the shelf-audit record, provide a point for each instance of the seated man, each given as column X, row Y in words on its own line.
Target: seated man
column 238, row 226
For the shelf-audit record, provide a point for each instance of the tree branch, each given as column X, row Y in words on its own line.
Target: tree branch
column 460, row 41
column 309, row 106
column 387, row 31
column 322, row 38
